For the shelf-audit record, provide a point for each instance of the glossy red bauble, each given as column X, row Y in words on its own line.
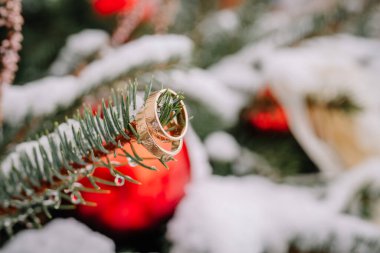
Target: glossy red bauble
column 110, row 7
column 267, row 114
column 134, row 207
column 230, row 3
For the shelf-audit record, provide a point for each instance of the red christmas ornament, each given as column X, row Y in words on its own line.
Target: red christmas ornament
column 224, row 4
column 111, row 7
column 132, row 207
column 267, row 114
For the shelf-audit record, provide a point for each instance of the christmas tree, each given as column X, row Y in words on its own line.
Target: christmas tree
column 189, row 126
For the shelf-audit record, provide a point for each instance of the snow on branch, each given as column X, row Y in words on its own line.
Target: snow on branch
column 251, row 214
column 144, row 51
column 39, row 98
column 43, row 97
column 314, row 68
column 243, row 71
column 202, row 87
column 79, row 47
column 42, row 174
column 344, row 189
column 293, row 20
column 60, row 235
column 217, row 24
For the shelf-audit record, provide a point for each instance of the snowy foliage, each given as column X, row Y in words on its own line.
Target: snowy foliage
column 221, row 22
column 299, row 15
column 38, row 98
column 251, row 214
column 60, row 236
column 147, row 50
column 344, row 188
column 64, row 129
column 222, row 147
column 317, row 64
column 79, row 47
column 312, row 68
column 315, row 68
column 45, row 96
column 200, row 168
column 199, row 85
column 243, row 71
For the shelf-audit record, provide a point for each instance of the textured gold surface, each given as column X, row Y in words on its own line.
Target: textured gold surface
column 151, row 131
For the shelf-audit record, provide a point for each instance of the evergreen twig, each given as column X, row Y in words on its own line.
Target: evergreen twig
column 44, row 174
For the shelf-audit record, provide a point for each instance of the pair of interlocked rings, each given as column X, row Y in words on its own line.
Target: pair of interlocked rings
column 153, row 134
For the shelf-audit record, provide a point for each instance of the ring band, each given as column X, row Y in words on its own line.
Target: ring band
column 150, row 143
column 147, row 124
column 153, row 120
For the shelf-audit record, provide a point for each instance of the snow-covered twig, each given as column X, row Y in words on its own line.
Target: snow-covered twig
column 79, row 47
column 250, row 214
column 344, row 189
column 200, row 167
column 43, row 97
column 199, row 85
column 60, row 236
column 315, row 68
column 40, row 174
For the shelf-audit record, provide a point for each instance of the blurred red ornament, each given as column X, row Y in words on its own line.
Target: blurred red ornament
column 267, row 114
column 110, row 7
column 230, row 3
column 134, row 207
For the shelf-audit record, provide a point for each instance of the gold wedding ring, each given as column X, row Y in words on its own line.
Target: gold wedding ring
column 153, row 120
column 152, row 132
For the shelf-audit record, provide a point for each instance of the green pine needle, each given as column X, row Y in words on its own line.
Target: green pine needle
column 44, row 174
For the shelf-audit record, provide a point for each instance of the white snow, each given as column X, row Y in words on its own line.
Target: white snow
column 218, row 23
column 363, row 51
column 242, row 71
column 314, row 67
column 38, row 98
column 27, row 147
column 152, row 49
column 60, row 236
column 318, row 71
column 250, row 162
column 79, row 47
column 45, row 96
column 326, row 67
column 200, row 168
column 64, row 128
column 344, row 188
column 222, row 147
column 289, row 15
column 251, row 214
column 199, row 85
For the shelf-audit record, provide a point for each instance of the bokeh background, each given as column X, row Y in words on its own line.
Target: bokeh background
column 283, row 150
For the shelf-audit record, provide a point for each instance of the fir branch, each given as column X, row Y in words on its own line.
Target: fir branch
column 120, row 65
column 44, row 174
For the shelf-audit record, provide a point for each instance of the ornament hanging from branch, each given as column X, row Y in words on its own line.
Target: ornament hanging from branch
column 44, row 174
column 133, row 207
column 266, row 114
column 224, row 4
